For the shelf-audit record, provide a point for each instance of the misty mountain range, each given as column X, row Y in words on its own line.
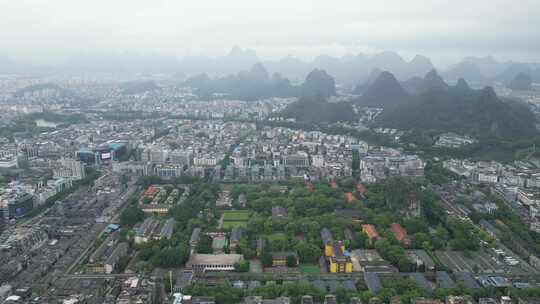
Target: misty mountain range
column 429, row 104
column 487, row 70
column 428, row 107
column 349, row 70
column 256, row 83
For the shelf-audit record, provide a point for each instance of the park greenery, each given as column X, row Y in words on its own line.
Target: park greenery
column 25, row 125
column 383, row 205
column 131, row 216
column 174, row 252
column 308, row 211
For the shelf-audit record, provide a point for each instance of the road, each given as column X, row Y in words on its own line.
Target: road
column 455, row 210
column 99, row 276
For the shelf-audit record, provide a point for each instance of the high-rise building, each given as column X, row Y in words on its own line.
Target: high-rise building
column 15, row 202
column 69, row 168
column 296, row 160
column 180, row 157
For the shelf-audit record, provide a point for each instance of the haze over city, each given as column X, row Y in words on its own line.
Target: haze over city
column 270, row 152
column 50, row 32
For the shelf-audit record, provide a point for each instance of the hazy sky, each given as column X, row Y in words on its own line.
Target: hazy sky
column 41, row 30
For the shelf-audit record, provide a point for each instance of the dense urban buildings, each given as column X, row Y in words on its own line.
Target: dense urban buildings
column 110, row 193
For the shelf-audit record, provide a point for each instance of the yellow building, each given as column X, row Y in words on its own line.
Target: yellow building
column 328, row 250
column 280, row 258
column 340, row 264
column 334, row 252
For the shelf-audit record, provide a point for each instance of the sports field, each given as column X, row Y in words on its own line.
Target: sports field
column 235, row 215
column 235, row 218
column 234, row 224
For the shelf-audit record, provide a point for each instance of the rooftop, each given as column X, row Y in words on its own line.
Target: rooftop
column 215, row 259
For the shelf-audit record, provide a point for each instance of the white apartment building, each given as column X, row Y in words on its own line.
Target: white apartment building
column 69, row 168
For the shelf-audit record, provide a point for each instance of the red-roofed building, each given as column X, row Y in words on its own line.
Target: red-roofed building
column 400, row 234
column 151, row 192
column 333, row 184
column 371, row 232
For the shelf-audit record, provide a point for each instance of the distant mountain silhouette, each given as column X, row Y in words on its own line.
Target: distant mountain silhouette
column 480, row 114
column 353, row 69
column 521, row 82
column 535, row 74
column 462, row 86
column 434, row 81
column 486, row 70
column 419, row 65
column 318, row 83
column 487, row 66
column 512, row 71
column 362, row 87
column 385, row 91
column 248, row 85
column 465, row 70
column 236, row 60
column 316, row 109
column 258, row 73
column 255, row 84
column 417, row 85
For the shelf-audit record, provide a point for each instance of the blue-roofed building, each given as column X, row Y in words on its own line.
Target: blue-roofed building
column 444, row 280
column 421, row 281
column 373, row 282
column 167, row 229
column 349, row 285
column 467, row 279
column 86, row 155
column 332, row 285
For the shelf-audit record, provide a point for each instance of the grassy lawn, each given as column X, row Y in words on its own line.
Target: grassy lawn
column 235, row 218
column 311, row 269
column 233, row 224
column 278, row 236
column 237, row 215
column 219, row 243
